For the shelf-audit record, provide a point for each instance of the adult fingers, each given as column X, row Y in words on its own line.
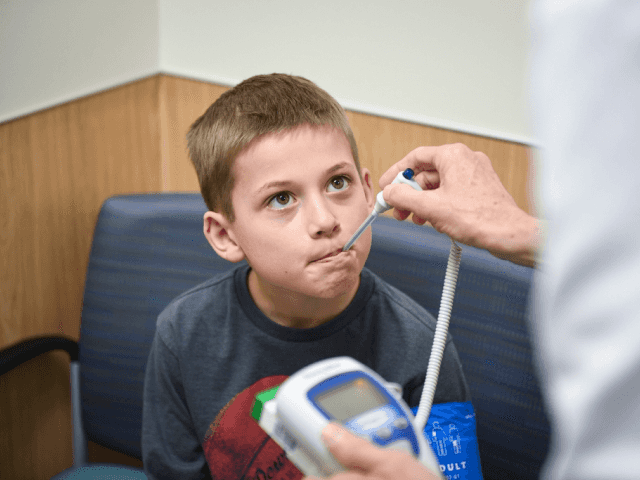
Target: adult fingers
column 421, row 159
column 354, row 453
column 401, row 215
column 424, row 205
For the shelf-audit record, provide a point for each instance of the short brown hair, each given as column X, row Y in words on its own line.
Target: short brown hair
column 257, row 106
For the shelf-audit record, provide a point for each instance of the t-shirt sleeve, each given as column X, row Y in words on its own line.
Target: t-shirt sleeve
column 170, row 446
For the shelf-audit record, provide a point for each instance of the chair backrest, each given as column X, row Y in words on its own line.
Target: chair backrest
column 149, row 248
column 490, row 331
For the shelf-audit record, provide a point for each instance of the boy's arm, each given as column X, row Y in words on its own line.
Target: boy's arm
column 170, row 445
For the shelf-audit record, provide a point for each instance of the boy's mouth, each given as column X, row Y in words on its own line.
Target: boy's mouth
column 329, row 255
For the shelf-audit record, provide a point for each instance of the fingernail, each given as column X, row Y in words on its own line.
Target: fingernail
column 331, row 434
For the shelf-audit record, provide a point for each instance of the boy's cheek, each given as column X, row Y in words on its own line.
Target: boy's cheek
column 363, row 246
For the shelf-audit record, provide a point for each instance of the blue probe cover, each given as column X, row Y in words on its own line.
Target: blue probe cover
column 451, row 433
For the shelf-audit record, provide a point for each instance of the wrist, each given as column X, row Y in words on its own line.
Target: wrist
column 518, row 240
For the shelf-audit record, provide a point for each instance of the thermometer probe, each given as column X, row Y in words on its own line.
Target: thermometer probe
column 381, row 205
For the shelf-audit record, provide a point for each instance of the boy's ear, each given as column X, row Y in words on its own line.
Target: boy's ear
column 367, row 185
column 216, row 230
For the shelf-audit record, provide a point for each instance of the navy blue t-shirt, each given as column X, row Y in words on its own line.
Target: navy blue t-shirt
column 214, row 350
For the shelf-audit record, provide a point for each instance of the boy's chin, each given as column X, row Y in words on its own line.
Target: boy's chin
column 335, row 288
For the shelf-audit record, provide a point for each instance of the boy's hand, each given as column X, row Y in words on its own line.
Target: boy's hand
column 463, row 198
column 368, row 462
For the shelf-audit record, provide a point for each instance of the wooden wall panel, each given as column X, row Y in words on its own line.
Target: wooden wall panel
column 182, row 101
column 57, row 167
column 383, row 141
column 35, row 430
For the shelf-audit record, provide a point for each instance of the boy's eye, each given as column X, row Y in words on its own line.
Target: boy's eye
column 338, row 183
column 280, row 200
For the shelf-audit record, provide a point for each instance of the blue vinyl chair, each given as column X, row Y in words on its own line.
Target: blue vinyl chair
column 146, row 250
column 149, row 248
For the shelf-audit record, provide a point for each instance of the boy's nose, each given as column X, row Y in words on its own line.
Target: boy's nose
column 321, row 220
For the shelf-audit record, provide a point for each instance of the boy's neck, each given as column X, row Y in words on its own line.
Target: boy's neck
column 295, row 310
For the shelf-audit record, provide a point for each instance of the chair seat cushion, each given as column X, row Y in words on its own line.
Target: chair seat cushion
column 101, row 472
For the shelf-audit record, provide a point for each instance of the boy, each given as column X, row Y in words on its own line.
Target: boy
column 278, row 169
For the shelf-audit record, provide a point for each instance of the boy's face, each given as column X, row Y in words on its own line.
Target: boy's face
column 297, row 199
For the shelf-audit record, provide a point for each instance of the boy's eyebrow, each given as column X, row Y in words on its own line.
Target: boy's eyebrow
column 270, row 185
column 338, row 166
column 286, row 183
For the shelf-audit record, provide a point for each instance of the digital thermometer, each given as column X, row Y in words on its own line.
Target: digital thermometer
column 344, row 391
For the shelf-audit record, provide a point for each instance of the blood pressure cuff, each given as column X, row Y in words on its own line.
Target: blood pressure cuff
column 451, row 433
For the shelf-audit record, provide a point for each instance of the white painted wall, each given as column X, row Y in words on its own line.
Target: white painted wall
column 52, row 51
column 458, row 64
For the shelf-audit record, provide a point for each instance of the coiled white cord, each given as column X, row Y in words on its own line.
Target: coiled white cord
column 446, row 301
column 440, row 337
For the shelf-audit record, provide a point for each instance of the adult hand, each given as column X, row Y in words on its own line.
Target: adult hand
column 463, row 198
column 365, row 461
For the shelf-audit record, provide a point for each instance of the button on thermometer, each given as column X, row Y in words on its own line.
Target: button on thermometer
column 381, row 206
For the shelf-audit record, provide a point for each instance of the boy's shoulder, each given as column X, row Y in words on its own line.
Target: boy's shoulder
column 204, row 292
column 199, row 306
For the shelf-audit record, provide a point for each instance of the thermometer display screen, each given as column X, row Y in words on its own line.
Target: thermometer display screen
column 351, row 399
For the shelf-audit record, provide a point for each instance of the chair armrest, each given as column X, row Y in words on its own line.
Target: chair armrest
column 25, row 350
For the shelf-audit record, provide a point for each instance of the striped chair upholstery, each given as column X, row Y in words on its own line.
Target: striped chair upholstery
column 147, row 249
